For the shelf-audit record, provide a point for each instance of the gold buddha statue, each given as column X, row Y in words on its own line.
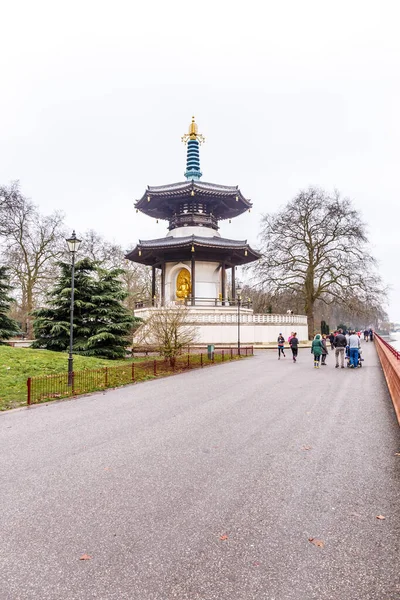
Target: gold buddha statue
column 183, row 285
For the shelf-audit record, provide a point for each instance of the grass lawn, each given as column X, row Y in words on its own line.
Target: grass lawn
column 17, row 364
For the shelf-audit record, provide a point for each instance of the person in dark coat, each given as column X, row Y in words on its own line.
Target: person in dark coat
column 340, row 346
column 324, row 351
column 332, row 339
column 371, row 335
column 294, row 344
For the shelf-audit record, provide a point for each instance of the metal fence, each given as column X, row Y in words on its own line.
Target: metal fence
column 50, row 387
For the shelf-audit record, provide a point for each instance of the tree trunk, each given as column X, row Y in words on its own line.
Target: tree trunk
column 309, row 310
column 310, row 322
column 29, row 308
column 24, row 312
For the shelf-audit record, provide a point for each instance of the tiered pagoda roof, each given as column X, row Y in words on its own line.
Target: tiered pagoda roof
column 193, row 203
column 232, row 252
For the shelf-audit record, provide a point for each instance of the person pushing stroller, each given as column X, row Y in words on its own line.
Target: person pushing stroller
column 354, row 349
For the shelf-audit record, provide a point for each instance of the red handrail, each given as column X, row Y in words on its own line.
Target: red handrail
column 388, row 346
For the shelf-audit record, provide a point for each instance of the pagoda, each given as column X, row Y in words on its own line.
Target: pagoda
column 193, row 258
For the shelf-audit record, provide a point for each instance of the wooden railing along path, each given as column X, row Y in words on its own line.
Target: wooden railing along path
column 390, row 361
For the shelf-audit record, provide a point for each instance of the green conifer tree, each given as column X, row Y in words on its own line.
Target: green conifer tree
column 52, row 323
column 109, row 323
column 101, row 322
column 8, row 327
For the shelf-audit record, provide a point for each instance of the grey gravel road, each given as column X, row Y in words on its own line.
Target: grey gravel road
column 207, row 486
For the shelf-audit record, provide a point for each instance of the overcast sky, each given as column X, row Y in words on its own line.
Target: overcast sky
column 95, row 97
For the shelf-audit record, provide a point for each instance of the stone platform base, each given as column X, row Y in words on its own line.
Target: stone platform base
column 219, row 325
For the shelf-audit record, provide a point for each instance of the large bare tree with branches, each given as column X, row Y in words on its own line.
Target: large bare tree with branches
column 316, row 247
column 31, row 244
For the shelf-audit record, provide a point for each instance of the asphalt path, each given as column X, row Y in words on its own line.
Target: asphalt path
column 207, row 485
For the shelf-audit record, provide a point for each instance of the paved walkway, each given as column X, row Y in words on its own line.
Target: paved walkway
column 207, row 486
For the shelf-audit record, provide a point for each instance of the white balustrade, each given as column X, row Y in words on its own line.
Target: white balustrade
column 230, row 315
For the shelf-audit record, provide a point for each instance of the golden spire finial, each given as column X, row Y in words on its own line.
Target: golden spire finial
column 193, row 133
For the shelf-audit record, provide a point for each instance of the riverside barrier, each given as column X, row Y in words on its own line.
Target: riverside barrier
column 60, row 385
column 390, row 361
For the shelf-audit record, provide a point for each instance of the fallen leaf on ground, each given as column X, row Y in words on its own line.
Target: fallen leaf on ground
column 223, row 537
column 318, row 543
column 306, row 447
column 85, row 557
column 380, row 517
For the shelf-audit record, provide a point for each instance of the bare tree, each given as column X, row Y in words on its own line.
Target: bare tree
column 32, row 243
column 136, row 278
column 94, row 246
column 316, row 247
column 356, row 312
column 169, row 329
column 137, row 282
column 11, row 201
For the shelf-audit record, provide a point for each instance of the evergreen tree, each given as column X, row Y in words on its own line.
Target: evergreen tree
column 8, row 327
column 101, row 322
column 52, row 323
column 108, row 323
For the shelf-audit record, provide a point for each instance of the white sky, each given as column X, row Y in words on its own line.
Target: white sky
column 95, row 97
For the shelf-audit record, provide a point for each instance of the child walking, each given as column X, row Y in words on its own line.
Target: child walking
column 316, row 349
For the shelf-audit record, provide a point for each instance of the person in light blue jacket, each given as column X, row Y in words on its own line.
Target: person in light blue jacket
column 354, row 347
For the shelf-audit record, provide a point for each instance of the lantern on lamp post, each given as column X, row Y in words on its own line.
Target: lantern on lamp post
column 73, row 246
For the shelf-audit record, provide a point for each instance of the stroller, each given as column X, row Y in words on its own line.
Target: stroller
column 360, row 358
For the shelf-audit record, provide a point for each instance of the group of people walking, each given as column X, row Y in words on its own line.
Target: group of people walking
column 368, row 335
column 293, row 343
column 345, row 345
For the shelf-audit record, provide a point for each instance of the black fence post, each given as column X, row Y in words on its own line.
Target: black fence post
column 29, row 384
column 133, row 371
column 155, row 368
column 105, row 376
column 188, row 361
column 201, row 358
